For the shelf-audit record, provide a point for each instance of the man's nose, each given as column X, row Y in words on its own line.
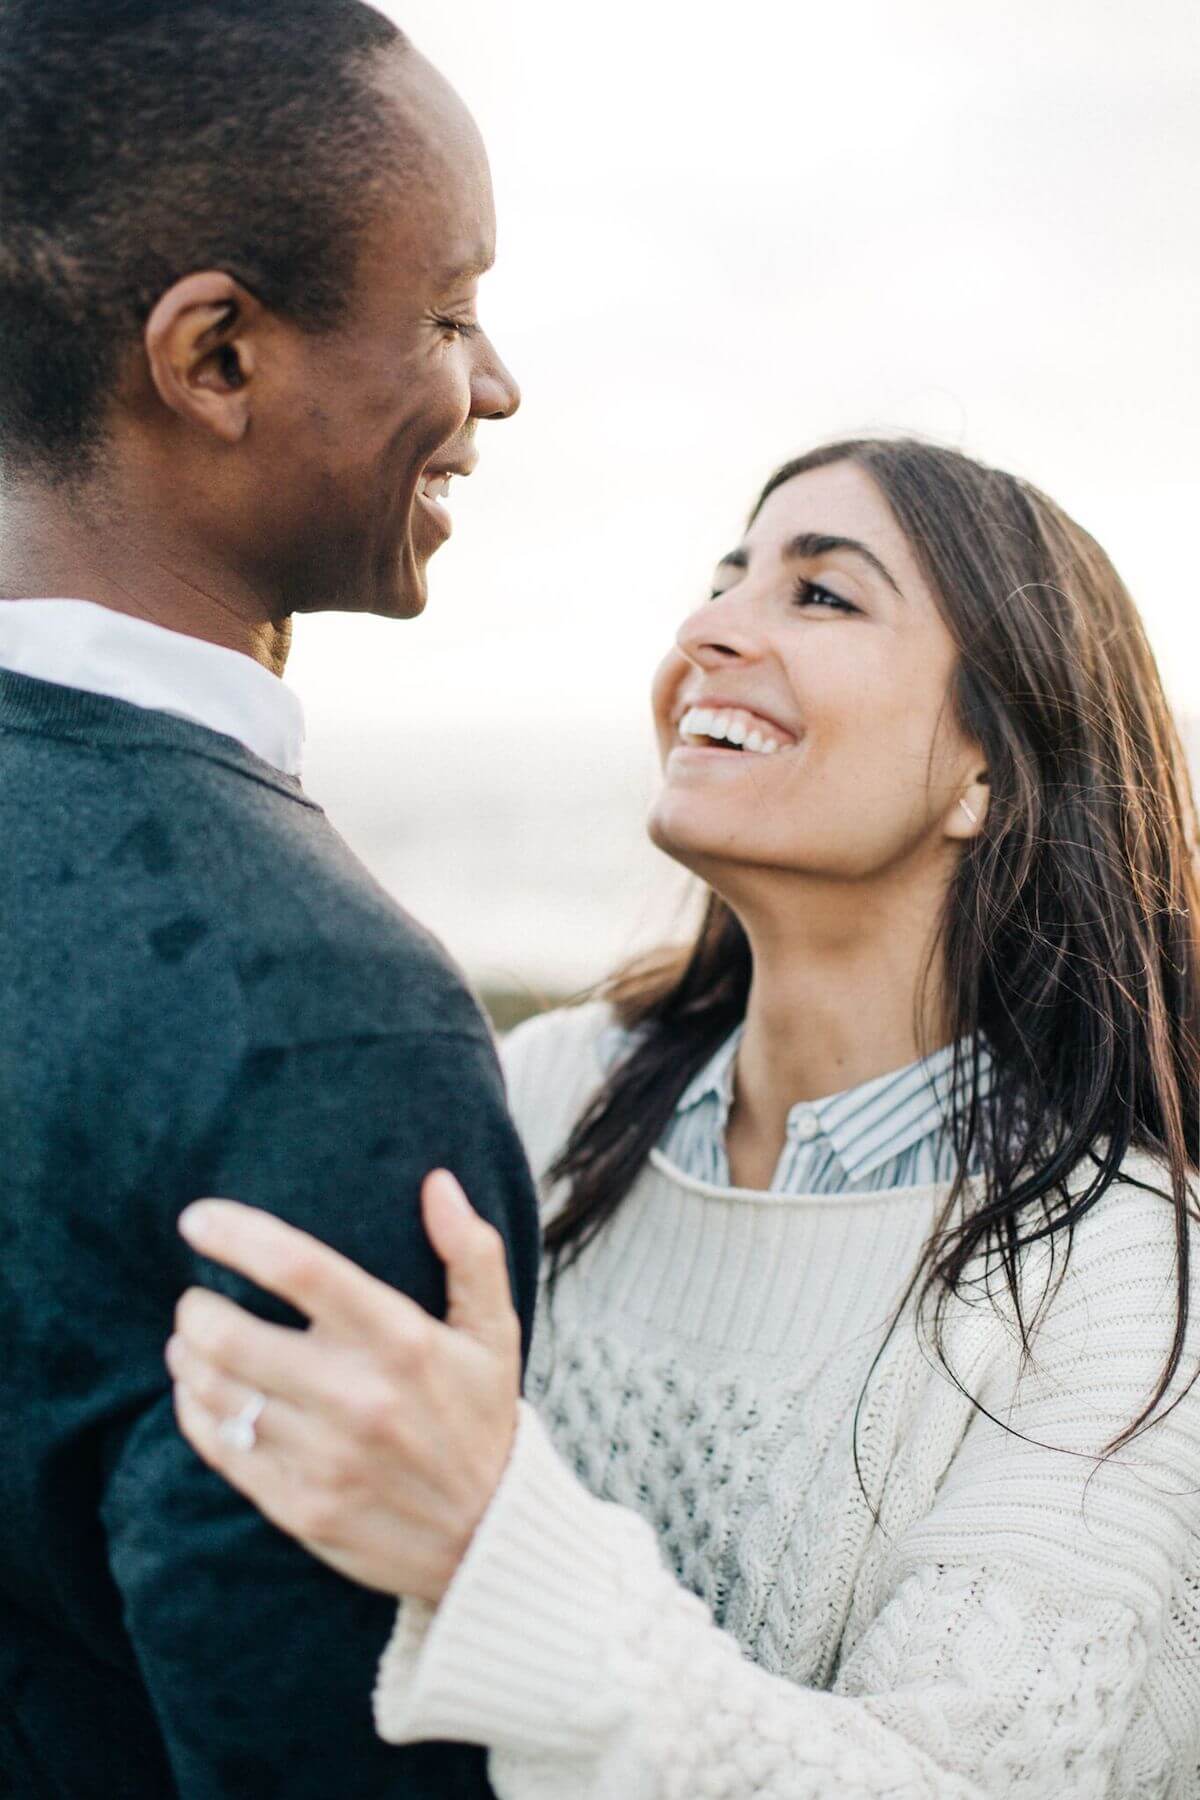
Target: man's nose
column 494, row 392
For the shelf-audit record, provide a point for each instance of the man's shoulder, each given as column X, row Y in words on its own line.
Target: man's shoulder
column 369, row 969
column 206, row 897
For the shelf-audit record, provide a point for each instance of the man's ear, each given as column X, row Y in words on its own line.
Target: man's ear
column 200, row 347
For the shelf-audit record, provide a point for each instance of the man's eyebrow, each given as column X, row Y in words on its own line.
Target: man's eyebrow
column 810, row 544
column 471, row 270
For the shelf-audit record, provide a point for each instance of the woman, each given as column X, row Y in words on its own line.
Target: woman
column 866, row 1450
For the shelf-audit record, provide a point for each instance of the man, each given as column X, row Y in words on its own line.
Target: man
column 239, row 245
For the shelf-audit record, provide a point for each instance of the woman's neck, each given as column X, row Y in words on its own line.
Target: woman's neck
column 833, row 1003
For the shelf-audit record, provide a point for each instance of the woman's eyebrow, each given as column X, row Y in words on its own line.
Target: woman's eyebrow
column 810, row 544
column 818, row 543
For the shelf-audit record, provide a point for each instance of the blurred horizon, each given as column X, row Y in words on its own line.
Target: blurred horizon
column 526, row 855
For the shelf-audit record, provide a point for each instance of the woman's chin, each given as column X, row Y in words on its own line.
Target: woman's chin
column 675, row 829
column 720, row 843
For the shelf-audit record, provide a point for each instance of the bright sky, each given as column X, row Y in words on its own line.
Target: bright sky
column 726, row 233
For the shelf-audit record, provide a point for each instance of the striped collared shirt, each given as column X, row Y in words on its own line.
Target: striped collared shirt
column 885, row 1133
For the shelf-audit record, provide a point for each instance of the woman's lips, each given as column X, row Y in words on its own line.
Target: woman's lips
column 727, row 726
column 718, row 756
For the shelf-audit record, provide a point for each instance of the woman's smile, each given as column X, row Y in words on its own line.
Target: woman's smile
column 716, row 731
column 725, row 726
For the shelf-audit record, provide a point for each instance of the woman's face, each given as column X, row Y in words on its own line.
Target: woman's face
column 823, row 638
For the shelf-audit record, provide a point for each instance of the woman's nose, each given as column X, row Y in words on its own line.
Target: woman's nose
column 719, row 632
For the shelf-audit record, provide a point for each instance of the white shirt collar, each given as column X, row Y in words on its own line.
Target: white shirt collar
column 78, row 644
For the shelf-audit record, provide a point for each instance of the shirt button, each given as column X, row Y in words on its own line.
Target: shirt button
column 808, row 1126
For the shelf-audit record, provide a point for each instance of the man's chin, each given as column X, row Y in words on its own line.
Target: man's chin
column 410, row 603
column 406, row 594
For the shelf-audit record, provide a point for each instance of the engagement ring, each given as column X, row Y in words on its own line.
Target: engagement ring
column 241, row 1432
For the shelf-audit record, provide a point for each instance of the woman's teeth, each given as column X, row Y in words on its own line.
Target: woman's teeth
column 736, row 728
column 435, row 487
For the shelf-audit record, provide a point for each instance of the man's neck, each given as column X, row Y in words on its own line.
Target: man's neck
column 58, row 547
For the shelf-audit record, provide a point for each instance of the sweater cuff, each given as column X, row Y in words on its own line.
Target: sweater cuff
column 513, row 1658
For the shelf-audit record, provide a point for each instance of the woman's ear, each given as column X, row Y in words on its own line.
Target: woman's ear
column 969, row 809
column 200, row 347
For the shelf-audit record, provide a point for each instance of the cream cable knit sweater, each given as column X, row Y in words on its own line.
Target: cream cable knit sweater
column 1024, row 1622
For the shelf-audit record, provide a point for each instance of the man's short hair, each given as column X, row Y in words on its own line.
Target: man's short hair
column 143, row 139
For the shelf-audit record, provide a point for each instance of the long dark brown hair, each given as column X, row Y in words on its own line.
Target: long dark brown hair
column 1068, row 940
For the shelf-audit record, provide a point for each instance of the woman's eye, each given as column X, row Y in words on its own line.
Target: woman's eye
column 466, row 328
column 811, row 593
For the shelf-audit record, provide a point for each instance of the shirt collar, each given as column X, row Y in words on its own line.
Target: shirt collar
column 79, row 644
column 870, row 1124
column 865, row 1125
column 714, row 1080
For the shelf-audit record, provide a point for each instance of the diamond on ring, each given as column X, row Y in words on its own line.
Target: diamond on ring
column 241, row 1432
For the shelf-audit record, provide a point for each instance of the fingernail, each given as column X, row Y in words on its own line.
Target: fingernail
column 196, row 1222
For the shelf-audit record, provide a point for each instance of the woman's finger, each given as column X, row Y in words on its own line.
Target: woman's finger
column 227, row 1337
column 375, row 1547
column 478, row 1293
column 321, row 1379
column 219, row 1393
column 224, row 1397
column 327, row 1287
column 265, row 1474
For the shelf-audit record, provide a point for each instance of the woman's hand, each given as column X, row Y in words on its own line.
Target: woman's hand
column 384, row 1432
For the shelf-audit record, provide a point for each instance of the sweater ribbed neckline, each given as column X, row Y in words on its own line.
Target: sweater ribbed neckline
column 735, row 1278
column 709, row 1190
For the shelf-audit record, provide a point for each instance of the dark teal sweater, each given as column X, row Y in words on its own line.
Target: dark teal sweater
column 201, row 992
